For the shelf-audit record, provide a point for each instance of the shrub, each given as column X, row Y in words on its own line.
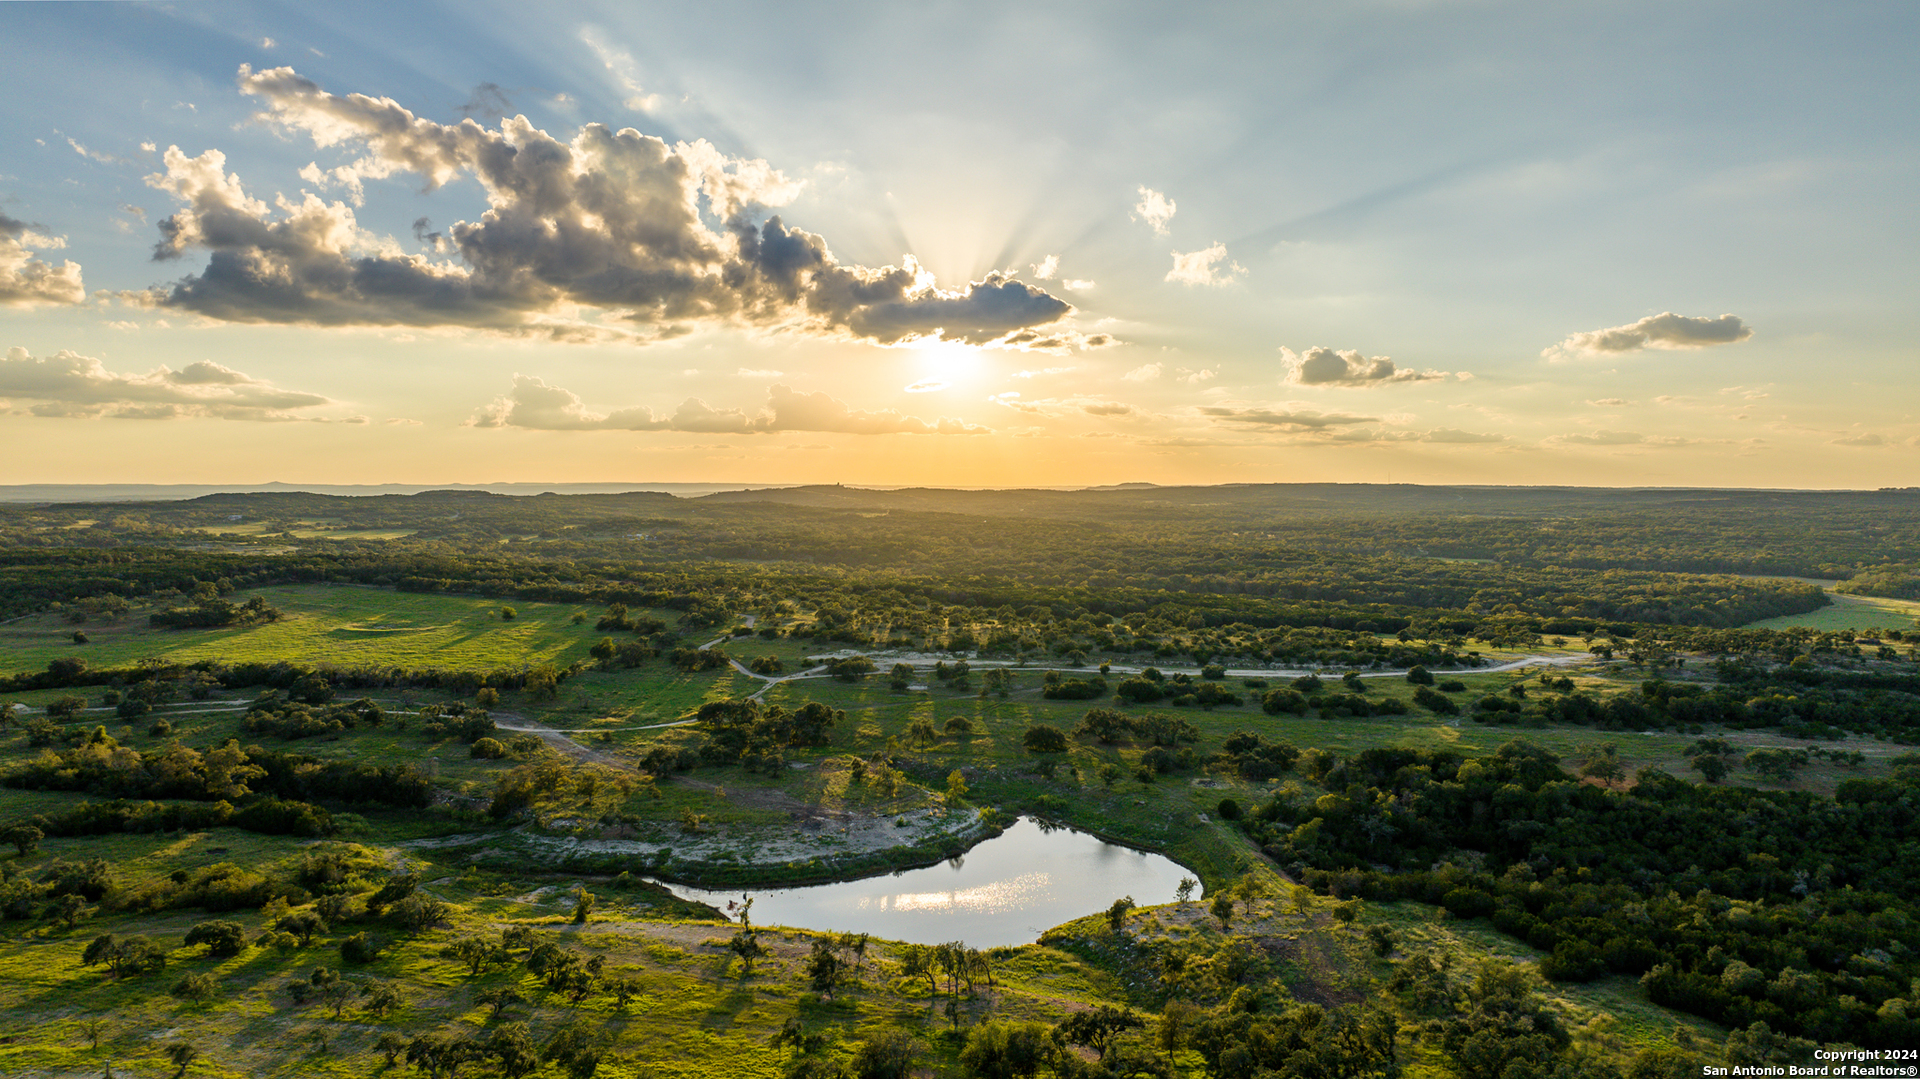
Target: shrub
column 487, row 749
column 1228, row 809
column 1045, row 738
column 359, row 948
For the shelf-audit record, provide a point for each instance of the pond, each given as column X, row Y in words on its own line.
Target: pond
column 1005, row 891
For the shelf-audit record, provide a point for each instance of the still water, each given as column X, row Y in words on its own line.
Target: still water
column 1005, row 891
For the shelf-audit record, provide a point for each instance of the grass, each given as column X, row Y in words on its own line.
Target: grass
column 343, row 625
column 1850, row 612
column 699, row 1014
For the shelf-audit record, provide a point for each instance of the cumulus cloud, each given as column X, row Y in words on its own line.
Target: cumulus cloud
column 26, row 281
column 1611, row 402
column 75, row 386
column 749, row 372
column 1868, row 439
column 1075, row 284
column 1664, row 330
column 1146, row 372
column 535, row 405
column 1046, row 268
column 1346, row 367
column 1296, row 419
column 1199, row 267
column 1155, row 209
column 657, row 236
column 1107, row 408
column 1197, row 377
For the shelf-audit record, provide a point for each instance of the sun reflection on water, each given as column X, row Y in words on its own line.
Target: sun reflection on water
column 995, row 898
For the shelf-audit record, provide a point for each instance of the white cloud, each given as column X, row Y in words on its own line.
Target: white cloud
column 611, row 220
column 1042, row 371
column 1144, row 373
column 1047, row 268
column 1197, row 267
column 621, row 66
column 1155, row 209
column 1196, row 377
column 1860, row 440
column 1611, row 402
column 535, row 405
column 26, row 281
column 1074, row 284
column 928, row 386
column 70, row 385
column 748, row 372
column 1346, row 367
column 267, row 43
column 1664, row 330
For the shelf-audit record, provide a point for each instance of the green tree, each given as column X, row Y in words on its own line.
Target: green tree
column 825, row 967
column 1117, row 913
column 182, row 1055
column 1004, row 1050
column 24, row 838
column 222, row 938
column 1184, row 891
column 1222, row 908
column 1045, row 738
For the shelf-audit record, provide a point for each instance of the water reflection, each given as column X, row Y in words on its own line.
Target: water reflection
column 1004, row 891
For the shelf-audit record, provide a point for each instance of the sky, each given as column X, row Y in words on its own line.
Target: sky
column 979, row 244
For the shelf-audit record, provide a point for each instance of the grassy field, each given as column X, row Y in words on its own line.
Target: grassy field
column 345, row 625
column 700, row 1012
column 1850, row 612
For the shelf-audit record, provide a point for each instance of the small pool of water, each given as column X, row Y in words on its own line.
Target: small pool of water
column 1005, row 891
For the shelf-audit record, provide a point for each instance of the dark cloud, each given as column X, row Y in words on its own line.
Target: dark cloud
column 1664, row 330
column 26, row 281
column 71, row 385
column 535, row 405
column 488, row 102
column 1345, row 367
column 656, row 235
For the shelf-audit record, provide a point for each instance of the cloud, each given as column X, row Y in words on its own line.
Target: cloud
column 1611, row 402
column 1301, row 419
column 1074, row 284
column 1155, row 209
column 1327, row 367
column 1860, row 440
column 1042, row 371
column 1056, row 341
column 621, row 66
column 71, row 385
column 929, row 386
column 534, row 405
column 26, row 281
column 1609, row 438
column 1197, row 267
column 1047, row 268
column 1107, row 408
column 1458, row 437
column 612, row 220
column 748, row 372
column 1144, row 373
column 1196, row 377
column 1664, row 330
